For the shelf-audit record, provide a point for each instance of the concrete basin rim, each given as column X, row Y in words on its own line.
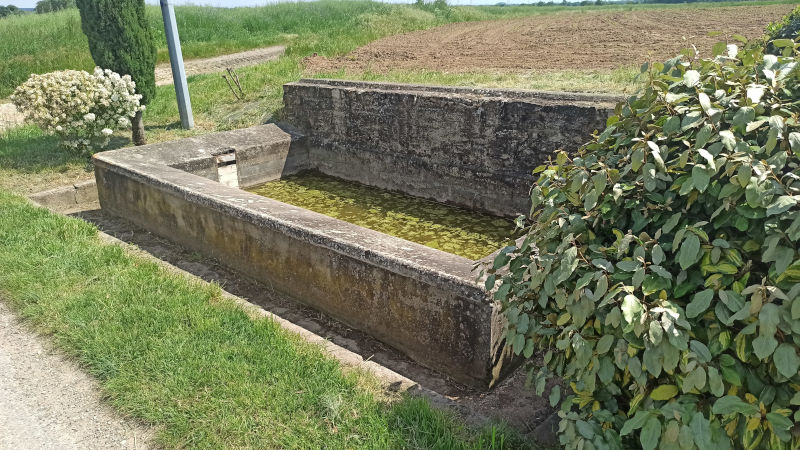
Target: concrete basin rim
column 448, row 274
column 540, row 97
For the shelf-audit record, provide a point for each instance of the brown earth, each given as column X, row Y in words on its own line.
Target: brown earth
column 564, row 41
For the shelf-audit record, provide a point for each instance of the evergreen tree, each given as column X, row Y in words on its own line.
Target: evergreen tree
column 120, row 39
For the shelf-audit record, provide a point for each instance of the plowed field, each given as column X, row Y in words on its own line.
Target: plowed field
column 571, row 40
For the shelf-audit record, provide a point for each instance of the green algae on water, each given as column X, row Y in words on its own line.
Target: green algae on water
column 455, row 230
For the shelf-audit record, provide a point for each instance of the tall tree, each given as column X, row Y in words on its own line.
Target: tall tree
column 120, row 39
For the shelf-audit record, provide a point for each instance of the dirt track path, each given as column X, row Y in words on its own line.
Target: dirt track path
column 48, row 402
column 574, row 40
column 220, row 63
column 9, row 117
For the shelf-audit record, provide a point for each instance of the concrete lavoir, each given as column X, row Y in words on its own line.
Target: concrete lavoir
column 424, row 302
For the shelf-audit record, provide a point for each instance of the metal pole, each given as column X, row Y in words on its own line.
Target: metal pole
column 176, row 61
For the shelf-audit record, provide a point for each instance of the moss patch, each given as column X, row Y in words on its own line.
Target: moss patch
column 455, row 230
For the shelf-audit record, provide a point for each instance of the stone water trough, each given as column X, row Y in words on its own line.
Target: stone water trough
column 468, row 147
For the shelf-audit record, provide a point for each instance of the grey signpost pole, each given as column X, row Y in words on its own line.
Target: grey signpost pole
column 176, row 61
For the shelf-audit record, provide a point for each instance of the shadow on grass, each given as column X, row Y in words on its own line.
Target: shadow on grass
column 163, row 126
column 28, row 150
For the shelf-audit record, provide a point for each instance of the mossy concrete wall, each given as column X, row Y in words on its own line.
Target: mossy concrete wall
column 422, row 301
column 470, row 147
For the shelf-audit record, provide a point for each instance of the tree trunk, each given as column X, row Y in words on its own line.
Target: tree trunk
column 137, row 124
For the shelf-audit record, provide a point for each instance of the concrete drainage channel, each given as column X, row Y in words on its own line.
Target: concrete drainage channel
column 418, row 311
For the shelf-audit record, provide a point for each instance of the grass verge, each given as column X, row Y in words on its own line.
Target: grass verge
column 31, row 161
column 621, row 80
column 174, row 354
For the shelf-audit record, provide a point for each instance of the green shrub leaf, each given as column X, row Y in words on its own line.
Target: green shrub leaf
column 555, row 395
column 604, row 344
column 779, row 421
column 786, row 360
column 715, row 384
column 651, row 433
column 689, row 252
column 634, row 423
column 700, row 302
column 731, row 404
column 780, row 205
column 763, row 346
column 664, row 392
column 702, row 431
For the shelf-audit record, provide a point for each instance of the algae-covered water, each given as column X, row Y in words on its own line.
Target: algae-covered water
column 448, row 228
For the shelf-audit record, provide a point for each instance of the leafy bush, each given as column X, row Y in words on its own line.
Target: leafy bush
column 659, row 273
column 786, row 28
column 81, row 108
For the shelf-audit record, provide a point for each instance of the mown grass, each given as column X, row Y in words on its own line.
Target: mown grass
column 622, row 80
column 31, row 161
column 174, row 354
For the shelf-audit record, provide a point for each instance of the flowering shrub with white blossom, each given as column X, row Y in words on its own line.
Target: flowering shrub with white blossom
column 83, row 109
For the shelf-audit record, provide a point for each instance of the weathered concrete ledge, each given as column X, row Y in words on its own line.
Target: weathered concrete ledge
column 466, row 146
column 422, row 301
column 68, row 198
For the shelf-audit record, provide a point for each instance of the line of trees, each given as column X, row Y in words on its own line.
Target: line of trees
column 611, row 2
column 46, row 6
column 9, row 10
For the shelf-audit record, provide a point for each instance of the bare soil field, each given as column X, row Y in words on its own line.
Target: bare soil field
column 563, row 41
